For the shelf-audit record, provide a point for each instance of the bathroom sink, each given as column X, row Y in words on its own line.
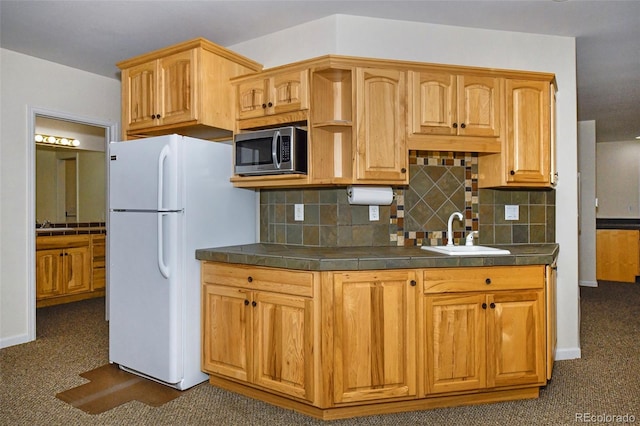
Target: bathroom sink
column 466, row 250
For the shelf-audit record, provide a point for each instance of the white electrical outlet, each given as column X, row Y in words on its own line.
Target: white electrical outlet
column 374, row 213
column 298, row 212
column 511, row 212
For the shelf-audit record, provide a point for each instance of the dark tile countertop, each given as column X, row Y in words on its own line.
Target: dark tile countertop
column 72, row 229
column 632, row 224
column 364, row 258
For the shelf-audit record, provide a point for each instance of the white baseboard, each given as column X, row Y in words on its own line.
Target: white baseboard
column 570, row 353
column 14, row 340
column 588, row 283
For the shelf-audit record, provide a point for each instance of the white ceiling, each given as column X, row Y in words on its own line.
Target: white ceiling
column 94, row 35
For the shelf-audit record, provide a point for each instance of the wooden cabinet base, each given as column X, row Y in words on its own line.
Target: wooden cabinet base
column 69, row 298
column 363, row 409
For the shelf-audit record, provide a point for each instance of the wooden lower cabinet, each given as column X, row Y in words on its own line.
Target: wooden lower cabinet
column 343, row 344
column 374, row 334
column 260, row 337
column 617, row 255
column 64, row 269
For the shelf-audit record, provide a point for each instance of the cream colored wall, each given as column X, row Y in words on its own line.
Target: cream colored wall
column 382, row 38
column 587, row 167
column 28, row 82
column 618, row 193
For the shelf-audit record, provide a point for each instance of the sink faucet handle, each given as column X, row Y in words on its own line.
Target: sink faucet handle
column 470, row 238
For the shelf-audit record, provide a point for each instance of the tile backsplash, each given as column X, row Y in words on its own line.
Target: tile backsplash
column 440, row 183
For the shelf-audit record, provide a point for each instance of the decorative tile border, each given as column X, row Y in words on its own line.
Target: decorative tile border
column 432, row 172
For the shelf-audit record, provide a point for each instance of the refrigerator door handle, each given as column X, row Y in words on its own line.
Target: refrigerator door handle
column 164, row 268
column 161, row 158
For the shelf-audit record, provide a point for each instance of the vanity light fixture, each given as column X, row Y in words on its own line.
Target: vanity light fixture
column 57, row 140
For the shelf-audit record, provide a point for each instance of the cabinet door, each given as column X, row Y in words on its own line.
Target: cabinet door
column 381, row 153
column 455, row 343
column 77, row 270
column 528, row 133
column 178, row 87
column 516, row 348
column 478, row 106
column 139, row 95
column 289, row 92
column 374, row 335
column 283, row 344
column 252, row 98
column 226, row 331
column 432, row 103
column 48, row 273
column 98, row 249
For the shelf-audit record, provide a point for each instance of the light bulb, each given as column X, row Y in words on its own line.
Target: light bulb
column 39, row 138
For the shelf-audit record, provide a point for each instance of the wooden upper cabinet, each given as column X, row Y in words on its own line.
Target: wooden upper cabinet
column 381, row 150
column 528, row 149
column 183, row 88
column 374, row 335
column 527, row 159
column 445, row 105
column 274, row 93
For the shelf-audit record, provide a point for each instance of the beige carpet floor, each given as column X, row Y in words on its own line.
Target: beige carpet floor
column 73, row 339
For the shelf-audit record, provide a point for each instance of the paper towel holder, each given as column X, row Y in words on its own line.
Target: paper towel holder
column 387, row 189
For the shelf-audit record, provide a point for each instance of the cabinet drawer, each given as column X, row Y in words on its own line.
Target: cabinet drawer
column 256, row 278
column 449, row 280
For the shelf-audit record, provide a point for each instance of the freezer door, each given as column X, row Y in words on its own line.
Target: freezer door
column 145, row 297
column 144, row 174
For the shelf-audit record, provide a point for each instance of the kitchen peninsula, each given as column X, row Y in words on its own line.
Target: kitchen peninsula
column 351, row 331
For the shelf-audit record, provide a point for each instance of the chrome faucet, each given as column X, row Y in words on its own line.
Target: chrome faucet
column 46, row 223
column 449, row 227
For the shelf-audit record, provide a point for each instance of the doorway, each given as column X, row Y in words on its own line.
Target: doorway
column 63, row 124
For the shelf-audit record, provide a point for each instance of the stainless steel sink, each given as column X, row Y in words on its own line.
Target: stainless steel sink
column 467, row 250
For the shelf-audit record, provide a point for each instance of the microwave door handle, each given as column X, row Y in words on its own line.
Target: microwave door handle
column 275, row 148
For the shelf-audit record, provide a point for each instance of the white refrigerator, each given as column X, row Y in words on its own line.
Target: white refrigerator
column 168, row 196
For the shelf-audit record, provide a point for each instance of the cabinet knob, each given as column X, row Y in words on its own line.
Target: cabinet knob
column 157, row 115
column 254, row 303
column 264, row 106
column 455, row 125
column 487, row 281
column 250, row 279
column 413, row 283
column 270, row 104
column 511, row 172
column 403, row 170
column 246, row 303
column 492, row 305
column 153, row 116
column 484, row 306
column 463, row 125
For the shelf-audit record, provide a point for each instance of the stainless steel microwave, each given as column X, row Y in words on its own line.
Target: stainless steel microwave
column 272, row 151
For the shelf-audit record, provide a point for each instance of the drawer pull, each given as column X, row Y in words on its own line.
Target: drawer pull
column 250, row 279
column 487, row 281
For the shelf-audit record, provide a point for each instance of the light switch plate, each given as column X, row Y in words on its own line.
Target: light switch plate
column 374, row 213
column 298, row 212
column 511, row 212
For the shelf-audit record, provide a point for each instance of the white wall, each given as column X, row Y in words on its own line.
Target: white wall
column 618, row 193
column 587, row 168
column 28, row 82
column 381, row 38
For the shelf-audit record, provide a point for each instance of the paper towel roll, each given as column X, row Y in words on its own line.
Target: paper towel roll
column 370, row 195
